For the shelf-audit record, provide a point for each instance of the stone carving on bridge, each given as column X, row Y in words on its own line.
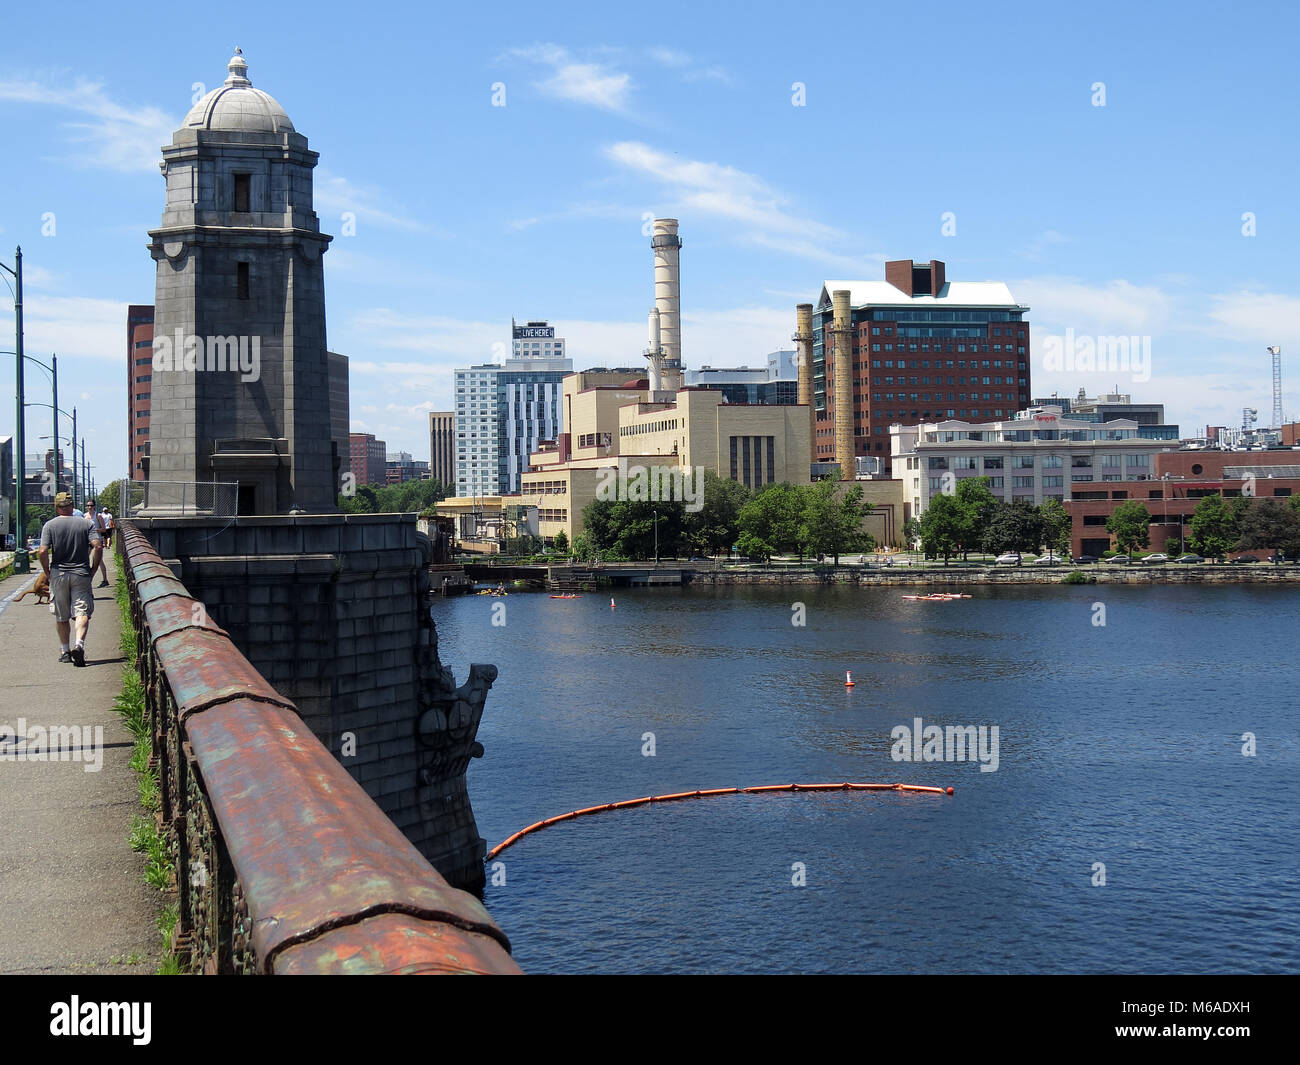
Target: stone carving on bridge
column 447, row 726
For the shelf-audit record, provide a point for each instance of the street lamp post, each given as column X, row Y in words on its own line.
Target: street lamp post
column 22, row 563
column 656, row 516
column 54, row 419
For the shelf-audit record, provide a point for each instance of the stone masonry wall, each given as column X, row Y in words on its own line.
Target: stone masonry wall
column 333, row 611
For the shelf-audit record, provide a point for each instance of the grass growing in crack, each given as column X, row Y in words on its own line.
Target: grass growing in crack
column 145, row 837
column 167, row 919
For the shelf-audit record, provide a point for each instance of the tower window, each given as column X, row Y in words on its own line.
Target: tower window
column 241, row 192
column 242, row 280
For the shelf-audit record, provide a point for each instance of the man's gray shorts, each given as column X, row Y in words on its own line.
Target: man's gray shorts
column 72, row 595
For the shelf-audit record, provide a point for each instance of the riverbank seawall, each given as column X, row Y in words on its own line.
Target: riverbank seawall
column 956, row 576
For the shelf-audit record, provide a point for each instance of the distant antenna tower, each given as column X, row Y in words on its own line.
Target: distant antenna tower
column 1277, row 386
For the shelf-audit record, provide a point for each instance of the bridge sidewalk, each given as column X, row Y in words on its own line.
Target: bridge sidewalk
column 72, row 893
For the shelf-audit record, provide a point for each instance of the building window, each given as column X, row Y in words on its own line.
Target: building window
column 241, row 280
column 241, row 192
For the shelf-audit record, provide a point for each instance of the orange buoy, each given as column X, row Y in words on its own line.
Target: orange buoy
column 848, row 679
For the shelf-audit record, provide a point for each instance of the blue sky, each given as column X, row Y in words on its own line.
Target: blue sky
column 1122, row 219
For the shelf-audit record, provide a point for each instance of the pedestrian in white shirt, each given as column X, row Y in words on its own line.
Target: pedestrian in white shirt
column 102, row 522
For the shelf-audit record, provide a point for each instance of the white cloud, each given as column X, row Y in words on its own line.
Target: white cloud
column 335, row 194
column 727, row 192
column 617, row 212
column 669, row 57
column 679, row 60
column 1264, row 317
column 592, row 84
column 111, row 135
column 80, row 326
column 1109, row 308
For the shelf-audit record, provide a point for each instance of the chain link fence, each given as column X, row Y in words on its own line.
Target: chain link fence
column 218, row 499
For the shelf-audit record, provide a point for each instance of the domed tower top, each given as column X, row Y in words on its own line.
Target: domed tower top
column 238, row 107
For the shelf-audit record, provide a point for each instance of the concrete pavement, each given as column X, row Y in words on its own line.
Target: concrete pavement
column 72, row 893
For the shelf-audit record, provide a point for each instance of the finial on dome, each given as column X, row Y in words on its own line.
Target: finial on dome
column 238, row 69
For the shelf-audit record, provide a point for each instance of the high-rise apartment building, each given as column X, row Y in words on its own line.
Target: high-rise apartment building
column 535, row 340
column 503, row 411
column 139, row 378
column 918, row 348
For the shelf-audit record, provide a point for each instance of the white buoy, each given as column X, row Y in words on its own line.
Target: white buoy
column 848, row 679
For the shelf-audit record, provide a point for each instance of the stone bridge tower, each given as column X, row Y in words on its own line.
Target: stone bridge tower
column 241, row 375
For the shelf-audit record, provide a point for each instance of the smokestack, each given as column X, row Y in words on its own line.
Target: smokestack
column 843, row 334
column 803, row 338
column 667, row 255
column 655, row 352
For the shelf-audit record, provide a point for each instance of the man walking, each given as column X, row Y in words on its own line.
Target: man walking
column 103, row 524
column 71, row 550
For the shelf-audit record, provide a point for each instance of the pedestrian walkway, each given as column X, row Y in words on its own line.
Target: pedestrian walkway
column 72, row 893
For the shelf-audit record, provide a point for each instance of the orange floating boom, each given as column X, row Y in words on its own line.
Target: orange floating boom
column 679, row 795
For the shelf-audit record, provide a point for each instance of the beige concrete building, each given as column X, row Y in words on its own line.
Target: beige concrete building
column 482, row 523
column 611, row 428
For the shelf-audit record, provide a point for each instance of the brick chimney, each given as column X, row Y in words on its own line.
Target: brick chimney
column 907, row 277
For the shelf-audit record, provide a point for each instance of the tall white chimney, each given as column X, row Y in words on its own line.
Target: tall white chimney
column 655, row 352
column 667, row 254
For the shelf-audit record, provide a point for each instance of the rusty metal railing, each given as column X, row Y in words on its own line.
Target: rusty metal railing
column 283, row 863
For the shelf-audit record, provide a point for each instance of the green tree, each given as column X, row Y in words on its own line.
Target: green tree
column 1215, row 529
column 1269, row 524
column 1014, row 526
column 831, row 523
column 1056, row 526
column 561, row 543
column 110, row 497
column 712, row 529
column 977, row 506
column 942, row 526
column 912, row 531
column 585, row 549
column 625, row 529
column 769, row 521
column 1130, row 523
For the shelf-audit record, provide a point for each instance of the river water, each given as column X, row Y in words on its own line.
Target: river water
column 1118, row 743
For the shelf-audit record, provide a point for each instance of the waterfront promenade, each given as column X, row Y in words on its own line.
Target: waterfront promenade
column 71, row 890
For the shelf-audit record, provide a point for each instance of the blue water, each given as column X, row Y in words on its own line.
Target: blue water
column 1119, row 744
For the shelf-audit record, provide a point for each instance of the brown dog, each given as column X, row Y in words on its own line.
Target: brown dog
column 41, row 589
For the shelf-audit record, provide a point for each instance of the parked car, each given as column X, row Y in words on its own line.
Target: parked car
column 1155, row 559
column 1011, row 558
column 1119, row 560
column 1048, row 559
column 1242, row 560
column 9, row 541
column 1277, row 558
column 1085, row 560
column 1189, row 559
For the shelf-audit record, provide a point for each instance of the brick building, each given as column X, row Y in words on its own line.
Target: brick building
column 139, row 377
column 1181, row 479
column 367, row 459
column 923, row 349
